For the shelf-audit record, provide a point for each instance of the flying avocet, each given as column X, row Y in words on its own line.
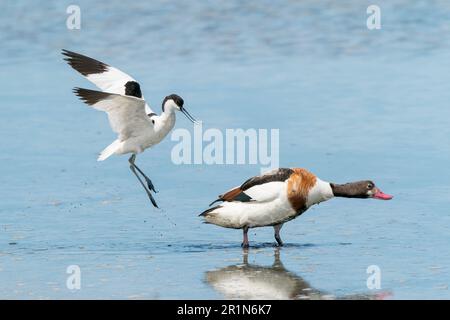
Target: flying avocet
column 137, row 126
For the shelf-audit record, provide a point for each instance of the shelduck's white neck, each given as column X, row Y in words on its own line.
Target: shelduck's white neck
column 320, row 192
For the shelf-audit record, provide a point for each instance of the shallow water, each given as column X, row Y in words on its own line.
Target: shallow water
column 350, row 104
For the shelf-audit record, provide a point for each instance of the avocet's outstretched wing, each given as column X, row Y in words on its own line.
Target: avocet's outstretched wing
column 126, row 113
column 104, row 76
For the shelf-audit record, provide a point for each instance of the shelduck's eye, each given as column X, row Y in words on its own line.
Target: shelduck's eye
column 369, row 186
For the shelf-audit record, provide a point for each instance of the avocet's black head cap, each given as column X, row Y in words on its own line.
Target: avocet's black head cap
column 179, row 102
column 176, row 98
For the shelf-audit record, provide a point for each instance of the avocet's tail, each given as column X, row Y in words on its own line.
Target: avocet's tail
column 109, row 150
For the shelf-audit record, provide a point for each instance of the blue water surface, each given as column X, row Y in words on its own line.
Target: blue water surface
column 350, row 104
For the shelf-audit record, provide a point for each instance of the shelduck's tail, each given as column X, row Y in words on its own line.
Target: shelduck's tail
column 109, row 150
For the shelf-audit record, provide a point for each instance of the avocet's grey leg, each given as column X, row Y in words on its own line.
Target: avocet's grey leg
column 147, row 179
column 277, row 229
column 132, row 168
column 245, row 243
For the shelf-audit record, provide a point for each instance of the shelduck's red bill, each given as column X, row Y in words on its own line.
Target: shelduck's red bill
column 382, row 196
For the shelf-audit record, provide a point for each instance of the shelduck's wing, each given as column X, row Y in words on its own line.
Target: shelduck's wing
column 104, row 76
column 126, row 113
column 261, row 188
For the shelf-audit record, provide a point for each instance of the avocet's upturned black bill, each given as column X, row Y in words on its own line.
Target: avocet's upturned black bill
column 188, row 115
column 137, row 126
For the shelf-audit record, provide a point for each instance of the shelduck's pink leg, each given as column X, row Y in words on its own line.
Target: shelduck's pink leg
column 277, row 229
column 245, row 243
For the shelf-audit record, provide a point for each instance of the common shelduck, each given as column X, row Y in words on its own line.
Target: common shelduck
column 278, row 196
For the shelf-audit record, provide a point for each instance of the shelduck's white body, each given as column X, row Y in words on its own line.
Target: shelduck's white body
column 271, row 206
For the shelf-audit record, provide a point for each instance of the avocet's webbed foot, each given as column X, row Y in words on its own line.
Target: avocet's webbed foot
column 150, row 185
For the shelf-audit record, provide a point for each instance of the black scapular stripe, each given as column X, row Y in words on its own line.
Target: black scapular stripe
column 281, row 174
column 132, row 88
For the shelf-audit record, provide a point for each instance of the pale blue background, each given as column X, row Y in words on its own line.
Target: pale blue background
column 350, row 104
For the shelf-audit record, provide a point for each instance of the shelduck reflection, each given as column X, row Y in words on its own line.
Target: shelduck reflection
column 251, row 281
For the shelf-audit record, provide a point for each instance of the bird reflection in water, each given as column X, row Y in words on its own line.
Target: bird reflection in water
column 251, row 281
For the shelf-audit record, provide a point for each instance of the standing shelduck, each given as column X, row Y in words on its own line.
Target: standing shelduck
column 137, row 126
column 278, row 196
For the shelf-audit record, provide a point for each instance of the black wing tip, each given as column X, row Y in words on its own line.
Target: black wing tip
column 83, row 64
column 77, row 91
column 80, row 91
column 82, row 94
column 217, row 200
column 70, row 55
column 90, row 97
column 205, row 213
